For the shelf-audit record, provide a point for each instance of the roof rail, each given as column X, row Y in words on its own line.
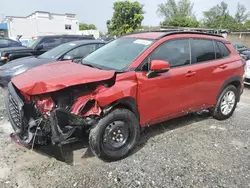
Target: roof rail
column 189, row 32
column 174, row 31
column 138, row 32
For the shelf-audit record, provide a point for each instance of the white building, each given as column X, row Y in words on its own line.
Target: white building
column 40, row 23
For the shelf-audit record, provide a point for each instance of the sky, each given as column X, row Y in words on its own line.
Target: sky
column 99, row 11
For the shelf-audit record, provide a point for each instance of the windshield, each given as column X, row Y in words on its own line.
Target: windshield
column 117, row 54
column 33, row 43
column 58, row 51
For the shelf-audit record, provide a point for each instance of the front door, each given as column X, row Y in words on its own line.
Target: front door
column 169, row 94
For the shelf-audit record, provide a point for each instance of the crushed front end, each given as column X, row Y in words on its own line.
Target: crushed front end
column 59, row 117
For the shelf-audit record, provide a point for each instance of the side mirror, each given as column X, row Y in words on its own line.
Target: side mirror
column 158, row 66
column 67, row 57
column 39, row 47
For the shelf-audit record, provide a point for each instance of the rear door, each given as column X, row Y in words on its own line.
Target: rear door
column 211, row 62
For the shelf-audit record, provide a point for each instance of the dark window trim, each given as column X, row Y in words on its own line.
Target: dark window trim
column 215, row 44
column 139, row 68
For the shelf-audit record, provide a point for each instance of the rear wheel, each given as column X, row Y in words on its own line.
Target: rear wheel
column 115, row 135
column 226, row 104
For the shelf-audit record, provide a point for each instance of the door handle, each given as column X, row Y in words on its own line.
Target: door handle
column 190, row 73
column 223, row 66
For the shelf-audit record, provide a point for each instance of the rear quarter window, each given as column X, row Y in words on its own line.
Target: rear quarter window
column 224, row 50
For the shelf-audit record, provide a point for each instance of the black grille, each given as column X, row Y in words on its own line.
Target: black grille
column 15, row 112
column 14, row 105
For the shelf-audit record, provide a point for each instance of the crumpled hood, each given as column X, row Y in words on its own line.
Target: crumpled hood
column 56, row 76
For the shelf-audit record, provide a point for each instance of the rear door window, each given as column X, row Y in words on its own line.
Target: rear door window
column 202, row 50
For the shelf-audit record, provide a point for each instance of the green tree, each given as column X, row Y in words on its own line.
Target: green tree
column 177, row 13
column 218, row 17
column 241, row 13
column 92, row 26
column 247, row 24
column 127, row 17
column 213, row 13
column 84, row 26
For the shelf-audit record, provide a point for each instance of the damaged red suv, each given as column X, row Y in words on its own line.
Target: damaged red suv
column 135, row 81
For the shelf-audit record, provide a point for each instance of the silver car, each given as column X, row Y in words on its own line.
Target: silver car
column 247, row 73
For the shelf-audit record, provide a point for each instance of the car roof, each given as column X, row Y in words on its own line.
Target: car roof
column 81, row 36
column 155, row 35
column 235, row 43
column 83, row 42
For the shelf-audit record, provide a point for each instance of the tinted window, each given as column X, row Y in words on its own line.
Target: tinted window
column 58, row 51
column 217, row 51
column 82, row 51
column 50, row 42
column 224, row 51
column 203, row 50
column 176, row 52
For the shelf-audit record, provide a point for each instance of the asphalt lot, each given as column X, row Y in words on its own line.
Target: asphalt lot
column 193, row 151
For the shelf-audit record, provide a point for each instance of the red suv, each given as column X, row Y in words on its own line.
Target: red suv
column 135, row 81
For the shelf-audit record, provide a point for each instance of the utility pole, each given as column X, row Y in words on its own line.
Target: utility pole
column 2, row 17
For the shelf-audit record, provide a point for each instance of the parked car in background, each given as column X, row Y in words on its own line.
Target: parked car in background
column 38, row 46
column 6, row 42
column 247, row 68
column 240, row 47
column 135, row 81
column 75, row 51
column 107, row 39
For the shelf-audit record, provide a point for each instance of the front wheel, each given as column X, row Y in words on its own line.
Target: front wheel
column 115, row 135
column 226, row 104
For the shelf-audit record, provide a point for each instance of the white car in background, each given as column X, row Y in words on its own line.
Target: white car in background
column 247, row 68
column 247, row 73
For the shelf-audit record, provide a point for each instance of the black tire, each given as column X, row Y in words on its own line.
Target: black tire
column 216, row 112
column 98, row 132
column 7, row 108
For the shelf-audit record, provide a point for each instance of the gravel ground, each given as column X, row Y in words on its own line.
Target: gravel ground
column 193, row 151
